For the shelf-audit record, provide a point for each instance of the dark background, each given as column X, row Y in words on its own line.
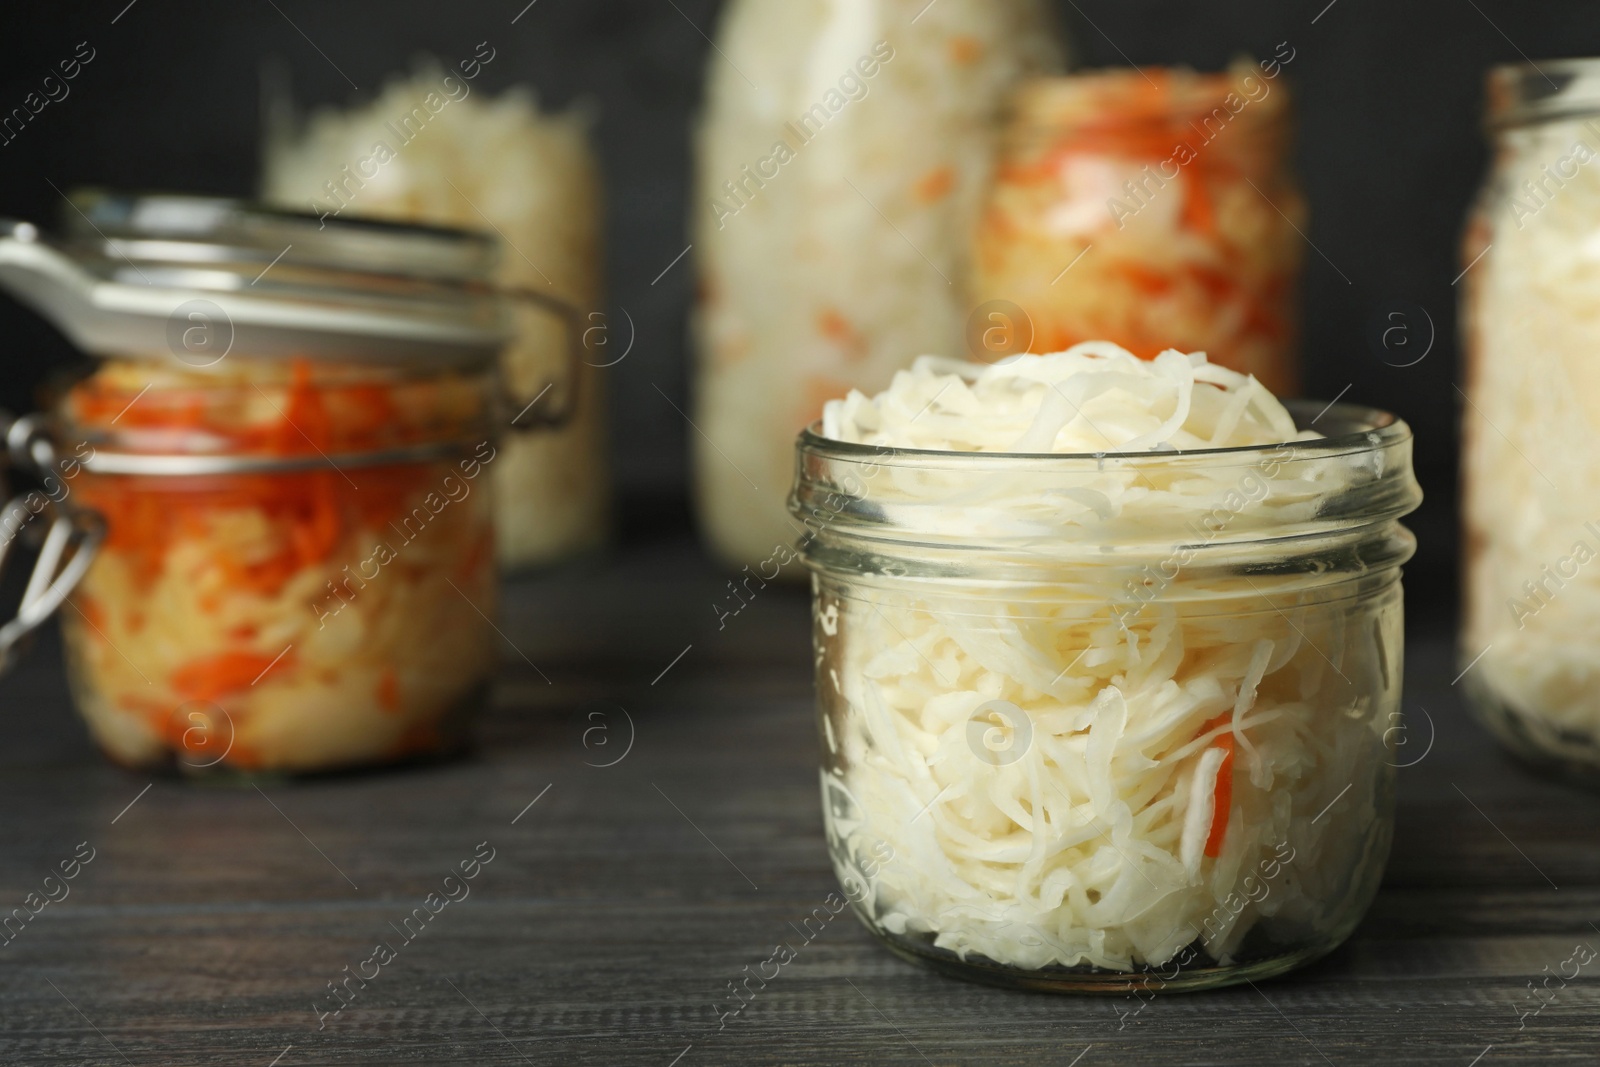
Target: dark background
column 1389, row 150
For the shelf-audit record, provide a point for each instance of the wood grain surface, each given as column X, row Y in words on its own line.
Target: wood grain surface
column 622, row 901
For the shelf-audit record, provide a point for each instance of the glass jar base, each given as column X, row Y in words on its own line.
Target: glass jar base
column 228, row 775
column 1097, row 981
column 449, row 738
column 1537, row 743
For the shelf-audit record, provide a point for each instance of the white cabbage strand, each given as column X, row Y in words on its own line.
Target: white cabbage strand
column 1095, row 397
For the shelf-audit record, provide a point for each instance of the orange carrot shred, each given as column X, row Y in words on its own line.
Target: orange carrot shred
column 965, row 49
column 218, row 675
column 935, row 185
column 389, row 691
column 1222, row 798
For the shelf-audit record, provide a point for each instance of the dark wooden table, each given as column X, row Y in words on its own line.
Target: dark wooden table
column 622, row 899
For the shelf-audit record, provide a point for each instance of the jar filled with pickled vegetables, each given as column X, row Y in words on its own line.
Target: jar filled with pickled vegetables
column 530, row 174
column 832, row 221
column 289, row 448
column 1530, row 474
column 1108, row 664
column 1150, row 207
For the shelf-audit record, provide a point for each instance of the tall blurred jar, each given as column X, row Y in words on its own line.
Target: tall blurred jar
column 842, row 158
column 1154, row 208
column 433, row 149
column 1530, row 464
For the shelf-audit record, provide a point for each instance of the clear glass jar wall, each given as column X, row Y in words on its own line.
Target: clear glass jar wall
column 299, row 564
column 1066, row 745
column 1530, row 474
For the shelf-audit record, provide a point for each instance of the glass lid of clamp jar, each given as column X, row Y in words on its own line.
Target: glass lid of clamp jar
column 285, row 432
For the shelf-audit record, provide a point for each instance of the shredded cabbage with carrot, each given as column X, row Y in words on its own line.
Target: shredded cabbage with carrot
column 1067, row 778
column 249, row 618
column 1154, row 208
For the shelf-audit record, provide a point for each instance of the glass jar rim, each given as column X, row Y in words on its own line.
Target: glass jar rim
column 191, row 421
column 146, row 273
column 169, row 229
column 1127, row 100
column 1309, row 511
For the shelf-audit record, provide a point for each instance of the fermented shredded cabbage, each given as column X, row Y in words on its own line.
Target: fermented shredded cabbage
column 1094, row 397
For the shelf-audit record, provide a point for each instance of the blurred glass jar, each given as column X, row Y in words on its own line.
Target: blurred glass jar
column 833, row 222
column 531, row 176
column 1089, row 754
column 1153, row 208
column 1530, row 474
column 285, row 437
column 296, row 562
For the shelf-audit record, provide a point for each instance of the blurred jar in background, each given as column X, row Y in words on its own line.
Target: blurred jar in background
column 1153, row 208
column 842, row 158
column 297, row 557
column 290, row 432
column 1530, row 318
column 433, row 149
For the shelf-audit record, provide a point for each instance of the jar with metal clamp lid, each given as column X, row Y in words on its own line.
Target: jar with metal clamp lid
column 286, row 434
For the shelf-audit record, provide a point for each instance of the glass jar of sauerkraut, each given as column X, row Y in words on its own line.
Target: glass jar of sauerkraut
column 287, row 434
column 1150, row 207
column 1108, row 657
column 1530, row 474
column 531, row 175
column 841, row 164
